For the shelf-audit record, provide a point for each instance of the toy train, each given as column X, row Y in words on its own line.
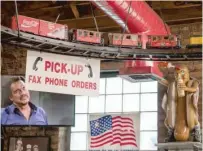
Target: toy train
column 58, row 31
column 195, row 41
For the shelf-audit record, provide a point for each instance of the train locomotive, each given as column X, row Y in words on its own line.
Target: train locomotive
column 195, row 41
column 170, row 41
column 59, row 31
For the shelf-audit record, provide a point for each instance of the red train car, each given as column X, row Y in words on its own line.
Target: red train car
column 26, row 24
column 170, row 41
column 40, row 27
column 53, row 30
column 126, row 40
column 86, row 36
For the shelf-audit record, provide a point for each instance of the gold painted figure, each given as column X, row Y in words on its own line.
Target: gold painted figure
column 180, row 104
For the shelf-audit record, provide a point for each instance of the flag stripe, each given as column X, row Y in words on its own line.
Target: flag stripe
column 130, row 121
column 114, row 130
column 125, row 120
column 123, row 131
column 101, row 142
column 123, row 135
column 123, row 144
column 115, row 139
column 122, row 122
column 122, row 118
column 117, row 135
column 98, row 141
column 107, row 135
column 101, row 136
column 123, row 126
column 124, row 139
column 107, row 142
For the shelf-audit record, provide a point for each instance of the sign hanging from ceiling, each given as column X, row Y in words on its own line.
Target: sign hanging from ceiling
column 49, row 72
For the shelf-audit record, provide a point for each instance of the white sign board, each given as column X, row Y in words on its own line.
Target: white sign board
column 62, row 74
column 114, row 132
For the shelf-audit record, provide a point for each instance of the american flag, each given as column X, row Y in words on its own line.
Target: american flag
column 109, row 130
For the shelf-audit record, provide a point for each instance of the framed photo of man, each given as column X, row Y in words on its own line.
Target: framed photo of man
column 21, row 106
column 29, row 143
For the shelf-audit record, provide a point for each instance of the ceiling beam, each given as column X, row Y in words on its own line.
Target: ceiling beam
column 112, row 29
column 185, row 22
column 104, row 27
column 172, row 4
column 75, row 10
column 89, row 22
column 183, row 19
column 81, row 18
column 82, row 3
column 52, row 8
column 40, row 10
column 175, row 14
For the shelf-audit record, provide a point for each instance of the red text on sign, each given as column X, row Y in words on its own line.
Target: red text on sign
column 58, row 67
column 56, row 81
column 55, row 67
column 34, row 79
column 84, row 85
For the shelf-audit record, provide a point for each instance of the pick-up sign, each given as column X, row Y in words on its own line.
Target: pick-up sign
column 62, row 74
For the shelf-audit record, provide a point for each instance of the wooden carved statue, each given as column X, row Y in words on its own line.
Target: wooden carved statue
column 180, row 104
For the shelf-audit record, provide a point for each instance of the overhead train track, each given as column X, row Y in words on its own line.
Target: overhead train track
column 44, row 44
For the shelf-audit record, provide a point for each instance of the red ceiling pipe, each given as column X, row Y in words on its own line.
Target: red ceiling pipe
column 141, row 18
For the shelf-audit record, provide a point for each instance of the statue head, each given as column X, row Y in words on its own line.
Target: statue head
column 182, row 72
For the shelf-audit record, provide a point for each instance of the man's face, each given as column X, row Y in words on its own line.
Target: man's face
column 19, row 93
